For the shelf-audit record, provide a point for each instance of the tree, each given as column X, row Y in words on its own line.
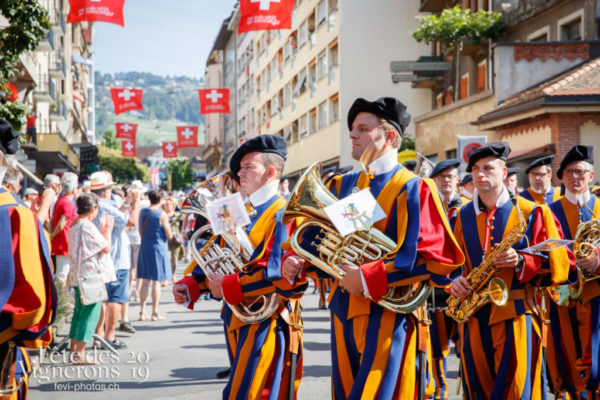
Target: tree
column 181, row 174
column 407, row 143
column 123, row 169
column 28, row 24
column 456, row 25
column 109, row 140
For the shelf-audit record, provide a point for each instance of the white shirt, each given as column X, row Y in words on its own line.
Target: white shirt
column 540, row 192
column 502, row 199
column 385, row 163
column 579, row 199
column 264, row 194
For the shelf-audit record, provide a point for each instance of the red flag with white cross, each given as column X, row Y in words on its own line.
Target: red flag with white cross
column 128, row 148
column 214, row 101
column 125, row 130
column 96, row 10
column 169, row 149
column 256, row 15
column 187, row 136
column 126, row 99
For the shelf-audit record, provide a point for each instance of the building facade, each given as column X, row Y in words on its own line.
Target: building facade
column 300, row 83
column 55, row 82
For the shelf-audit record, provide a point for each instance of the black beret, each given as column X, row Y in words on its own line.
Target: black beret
column 344, row 170
column 261, row 144
column 410, row 165
column 512, row 171
column 577, row 153
column 444, row 165
column 388, row 108
column 9, row 138
column 466, row 179
column 499, row 150
column 539, row 162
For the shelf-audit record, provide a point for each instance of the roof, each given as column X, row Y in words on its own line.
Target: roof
column 579, row 85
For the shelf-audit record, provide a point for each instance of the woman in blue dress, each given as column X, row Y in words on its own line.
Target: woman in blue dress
column 153, row 262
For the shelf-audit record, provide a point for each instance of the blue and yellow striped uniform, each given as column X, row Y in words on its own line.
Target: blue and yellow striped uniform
column 373, row 349
column 540, row 199
column 500, row 346
column 28, row 297
column 573, row 351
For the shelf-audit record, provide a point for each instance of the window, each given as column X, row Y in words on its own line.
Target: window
column 312, row 77
column 287, row 94
column 540, row 35
column 571, row 31
column 333, row 62
column 451, row 153
column 303, row 126
column 312, row 120
column 570, row 27
column 275, row 105
column 303, row 34
column 321, row 65
column 322, row 115
column 481, row 76
column 321, row 12
column 300, row 86
column 334, row 109
column 464, row 86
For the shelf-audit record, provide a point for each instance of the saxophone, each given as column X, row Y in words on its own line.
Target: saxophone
column 586, row 239
column 485, row 286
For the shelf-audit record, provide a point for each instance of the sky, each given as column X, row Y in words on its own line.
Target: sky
column 165, row 37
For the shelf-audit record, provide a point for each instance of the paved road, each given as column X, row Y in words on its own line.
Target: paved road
column 179, row 357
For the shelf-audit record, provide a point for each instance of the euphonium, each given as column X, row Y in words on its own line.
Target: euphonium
column 485, row 286
column 586, row 239
column 214, row 259
column 307, row 201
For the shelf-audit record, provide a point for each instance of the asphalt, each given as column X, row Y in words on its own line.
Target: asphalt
column 179, row 357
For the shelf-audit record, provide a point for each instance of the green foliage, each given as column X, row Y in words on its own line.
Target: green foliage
column 109, row 140
column 123, row 169
column 15, row 113
column 455, row 25
column 181, row 174
column 28, row 24
column 407, row 143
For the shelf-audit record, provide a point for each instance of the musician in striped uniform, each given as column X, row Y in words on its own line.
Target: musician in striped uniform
column 260, row 353
column 374, row 350
column 540, row 189
column 500, row 345
column 28, row 297
column 573, row 352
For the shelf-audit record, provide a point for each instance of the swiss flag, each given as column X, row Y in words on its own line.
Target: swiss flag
column 128, row 148
column 96, row 10
column 126, row 99
column 259, row 15
column 214, row 101
column 169, row 149
column 187, row 136
column 125, row 130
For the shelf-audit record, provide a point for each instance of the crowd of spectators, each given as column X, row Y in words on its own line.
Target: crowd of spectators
column 98, row 229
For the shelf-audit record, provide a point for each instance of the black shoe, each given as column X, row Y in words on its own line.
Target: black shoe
column 117, row 344
column 126, row 327
column 224, row 374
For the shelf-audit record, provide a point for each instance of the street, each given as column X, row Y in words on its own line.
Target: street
column 180, row 357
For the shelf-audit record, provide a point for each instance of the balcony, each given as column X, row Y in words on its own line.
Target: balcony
column 59, row 24
column 57, row 66
column 426, row 72
column 45, row 91
column 58, row 112
column 53, row 151
column 47, row 42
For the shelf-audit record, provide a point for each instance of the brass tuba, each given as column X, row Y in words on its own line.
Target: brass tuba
column 485, row 286
column 586, row 239
column 307, row 201
column 214, row 259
